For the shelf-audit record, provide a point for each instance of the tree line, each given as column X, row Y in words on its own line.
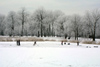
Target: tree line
column 50, row 23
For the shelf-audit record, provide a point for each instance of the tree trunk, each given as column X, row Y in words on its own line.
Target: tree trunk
column 49, row 32
column 2, row 33
column 77, row 34
column 41, row 29
column 12, row 26
column 94, row 31
column 93, row 38
column 38, row 34
column 52, row 28
column 22, row 29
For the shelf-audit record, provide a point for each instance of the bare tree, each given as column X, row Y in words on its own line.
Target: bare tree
column 23, row 17
column 2, row 24
column 76, row 25
column 12, row 19
column 60, row 23
column 92, row 19
column 55, row 16
column 47, row 23
column 39, row 16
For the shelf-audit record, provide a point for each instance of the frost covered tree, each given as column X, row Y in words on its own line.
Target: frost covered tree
column 55, row 17
column 2, row 24
column 34, row 28
column 60, row 24
column 76, row 25
column 92, row 19
column 39, row 16
column 50, row 23
column 23, row 17
column 11, row 19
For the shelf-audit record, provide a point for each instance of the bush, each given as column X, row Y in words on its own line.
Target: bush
column 52, row 40
column 89, row 42
column 73, row 41
column 64, row 40
column 20, row 38
column 39, row 40
column 49, row 40
column 98, row 43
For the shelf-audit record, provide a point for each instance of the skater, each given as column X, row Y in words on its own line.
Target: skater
column 77, row 43
column 34, row 43
column 65, row 43
column 61, row 42
column 18, row 42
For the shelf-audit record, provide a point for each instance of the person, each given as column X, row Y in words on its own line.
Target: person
column 61, row 42
column 65, row 43
column 18, row 42
column 34, row 42
column 77, row 43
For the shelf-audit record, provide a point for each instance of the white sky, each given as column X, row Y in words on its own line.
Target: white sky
column 69, row 7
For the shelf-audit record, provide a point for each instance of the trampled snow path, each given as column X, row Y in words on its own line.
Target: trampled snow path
column 47, row 44
column 48, row 54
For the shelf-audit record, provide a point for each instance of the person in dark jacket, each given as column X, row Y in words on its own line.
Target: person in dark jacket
column 34, row 43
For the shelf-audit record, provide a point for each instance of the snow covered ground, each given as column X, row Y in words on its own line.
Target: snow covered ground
column 48, row 54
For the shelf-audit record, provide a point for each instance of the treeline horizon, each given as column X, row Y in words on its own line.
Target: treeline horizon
column 44, row 22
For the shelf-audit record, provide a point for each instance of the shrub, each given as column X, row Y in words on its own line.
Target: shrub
column 49, row 40
column 64, row 40
column 39, row 40
column 46, row 39
column 89, row 42
column 52, row 40
column 20, row 38
column 98, row 43
column 73, row 41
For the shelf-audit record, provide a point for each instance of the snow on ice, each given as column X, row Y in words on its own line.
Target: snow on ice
column 48, row 54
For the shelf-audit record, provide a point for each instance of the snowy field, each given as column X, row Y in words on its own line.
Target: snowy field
column 48, row 54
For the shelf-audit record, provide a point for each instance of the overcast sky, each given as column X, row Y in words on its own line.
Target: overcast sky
column 69, row 7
